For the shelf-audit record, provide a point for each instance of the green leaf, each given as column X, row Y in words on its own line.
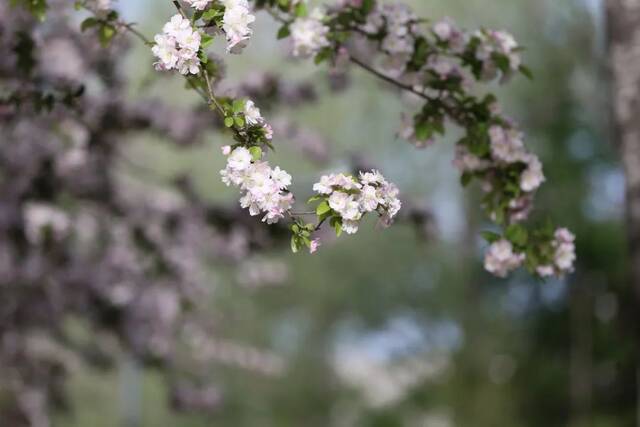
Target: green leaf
column 238, row 105
column 322, row 56
column 301, row 10
column 526, row 72
column 256, row 152
column 323, row 208
column 88, row 23
column 228, row 121
column 206, row 41
column 517, row 234
column 424, row 131
column 211, row 14
column 294, row 244
column 239, row 121
column 336, row 223
column 284, row 32
column 106, row 34
column 490, row 236
column 466, row 178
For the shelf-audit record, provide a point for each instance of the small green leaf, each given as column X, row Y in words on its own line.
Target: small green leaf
column 238, row 105
column 256, row 152
column 88, row 23
column 301, row 10
column 490, row 236
column 228, row 121
column 336, row 223
column 211, row 14
column 322, row 56
column 517, row 234
column 466, row 178
column 323, row 208
column 206, row 41
column 526, row 72
column 284, row 32
column 106, row 34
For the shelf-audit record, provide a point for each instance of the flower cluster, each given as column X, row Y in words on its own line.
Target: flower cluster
column 501, row 258
column 235, row 24
column 564, row 254
column 44, row 221
column 177, row 47
column 264, row 188
column 396, row 23
column 309, row 34
column 348, row 199
column 440, row 65
column 507, row 147
column 498, row 52
column 557, row 259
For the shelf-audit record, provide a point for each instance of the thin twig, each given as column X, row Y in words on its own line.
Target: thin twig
column 176, row 3
column 388, row 79
column 130, row 27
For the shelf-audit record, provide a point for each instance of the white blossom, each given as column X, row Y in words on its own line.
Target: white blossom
column 264, row 190
column 352, row 199
column 252, row 113
column 309, row 34
column 198, row 4
column 39, row 217
column 313, row 247
column 500, row 258
column 236, row 24
column 177, row 47
column 532, row 177
column 565, row 250
column 465, row 161
column 506, row 144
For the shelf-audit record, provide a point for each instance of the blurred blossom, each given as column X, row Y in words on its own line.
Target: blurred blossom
column 259, row 272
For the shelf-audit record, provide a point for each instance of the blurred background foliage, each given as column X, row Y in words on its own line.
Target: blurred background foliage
column 392, row 329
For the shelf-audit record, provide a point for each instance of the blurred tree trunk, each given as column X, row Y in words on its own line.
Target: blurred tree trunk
column 623, row 20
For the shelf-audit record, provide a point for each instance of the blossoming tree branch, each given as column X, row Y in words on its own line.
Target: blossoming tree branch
column 438, row 63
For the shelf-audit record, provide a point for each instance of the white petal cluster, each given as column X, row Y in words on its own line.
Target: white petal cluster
column 564, row 254
column 235, row 24
column 396, row 22
column 446, row 31
column 41, row 218
column 501, row 259
column 177, row 47
column 352, row 198
column 309, row 34
column 264, row 188
column 507, row 146
column 465, row 161
column 253, row 117
column 198, row 4
column 496, row 43
column 532, row 177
